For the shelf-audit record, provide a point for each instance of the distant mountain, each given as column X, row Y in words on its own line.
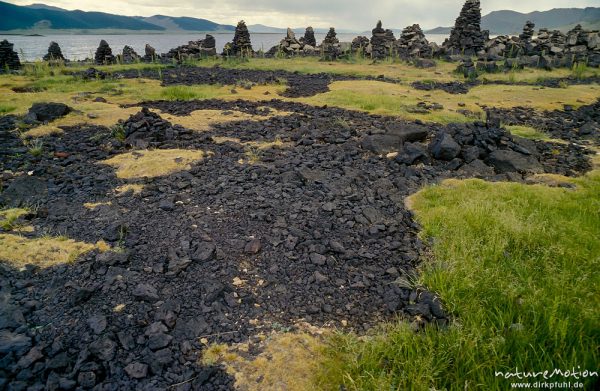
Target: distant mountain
column 185, row 23
column 512, row 22
column 43, row 17
column 19, row 18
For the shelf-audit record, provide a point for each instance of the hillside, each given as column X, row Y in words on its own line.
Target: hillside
column 15, row 17
column 42, row 17
column 511, row 22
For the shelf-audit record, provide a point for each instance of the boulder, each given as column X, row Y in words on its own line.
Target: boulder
column 444, row 147
column 506, row 161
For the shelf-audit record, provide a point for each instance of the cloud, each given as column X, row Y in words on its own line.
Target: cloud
column 345, row 14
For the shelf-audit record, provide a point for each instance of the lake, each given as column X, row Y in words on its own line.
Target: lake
column 80, row 47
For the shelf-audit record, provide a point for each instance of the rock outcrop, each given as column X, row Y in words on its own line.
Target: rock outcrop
column 9, row 59
column 309, row 37
column 54, row 53
column 104, row 54
column 194, row 49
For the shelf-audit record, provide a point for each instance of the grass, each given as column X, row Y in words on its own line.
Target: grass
column 9, row 218
column 527, row 132
column 43, row 252
column 202, row 120
column 394, row 99
column 516, row 266
column 6, row 108
column 287, row 362
column 153, row 163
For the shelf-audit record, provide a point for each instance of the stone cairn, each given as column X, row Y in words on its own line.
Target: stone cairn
column 129, row 56
column 149, row 54
column 382, row 42
column 54, row 53
column 528, row 31
column 413, row 44
column 194, row 49
column 292, row 46
column 309, row 38
column 331, row 45
column 361, row 45
column 466, row 37
column 8, row 57
column 104, row 54
column 241, row 45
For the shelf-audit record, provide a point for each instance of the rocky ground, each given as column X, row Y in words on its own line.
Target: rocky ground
column 248, row 240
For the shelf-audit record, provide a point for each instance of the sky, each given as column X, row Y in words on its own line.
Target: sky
column 357, row 15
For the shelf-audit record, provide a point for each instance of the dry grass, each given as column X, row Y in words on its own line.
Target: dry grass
column 135, row 188
column 384, row 98
column 9, row 220
column 202, row 120
column 261, row 145
column 287, row 362
column 43, row 252
column 94, row 205
column 153, row 163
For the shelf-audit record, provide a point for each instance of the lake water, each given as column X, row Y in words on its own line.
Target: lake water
column 80, row 47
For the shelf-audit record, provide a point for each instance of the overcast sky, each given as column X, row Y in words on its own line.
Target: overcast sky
column 344, row 14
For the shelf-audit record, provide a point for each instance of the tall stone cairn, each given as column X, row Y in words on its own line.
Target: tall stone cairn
column 467, row 37
column 54, row 53
column 104, row 54
column 528, row 31
column 309, row 37
column 331, row 45
column 8, row 57
column 241, row 45
column 412, row 43
column 149, row 53
column 361, row 44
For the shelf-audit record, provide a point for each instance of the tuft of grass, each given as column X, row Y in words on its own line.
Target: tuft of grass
column 6, row 108
column 182, row 93
column 35, row 147
column 527, row 132
column 287, row 362
column 579, row 70
column 43, row 252
column 118, row 131
column 516, row 266
column 153, row 163
column 9, row 218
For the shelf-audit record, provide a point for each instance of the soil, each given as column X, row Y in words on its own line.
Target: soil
column 315, row 231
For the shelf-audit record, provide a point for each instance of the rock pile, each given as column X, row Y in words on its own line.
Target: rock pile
column 412, row 43
column 528, row 31
column 331, row 45
column 309, row 37
column 361, row 44
column 149, row 53
column 292, row 46
column 382, row 42
column 104, row 54
column 466, row 38
column 8, row 57
column 129, row 55
column 241, row 45
column 194, row 49
column 54, row 53
column 147, row 129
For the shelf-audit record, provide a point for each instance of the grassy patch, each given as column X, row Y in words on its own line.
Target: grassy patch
column 287, row 362
column 43, row 252
column 6, row 108
column 517, row 267
column 153, row 163
column 9, row 218
column 202, row 120
column 527, row 132
column 134, row 188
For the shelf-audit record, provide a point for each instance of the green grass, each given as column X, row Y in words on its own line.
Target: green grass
column 6, row 108
column 187, row 92
column 527, row 132
column 517, row 267
column 9, row 218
